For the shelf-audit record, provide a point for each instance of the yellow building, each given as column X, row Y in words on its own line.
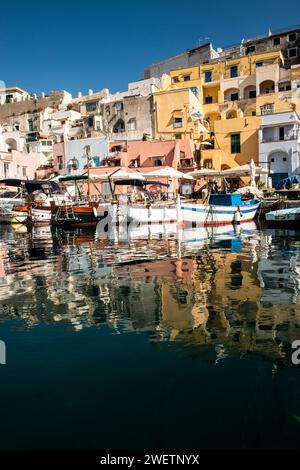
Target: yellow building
column 177, row 115
column 229, row 95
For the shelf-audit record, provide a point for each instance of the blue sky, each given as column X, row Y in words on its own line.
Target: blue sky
column 76, row 45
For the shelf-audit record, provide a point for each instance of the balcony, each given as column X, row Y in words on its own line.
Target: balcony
column 187, row 164
column 280, row 119
column 270, row 140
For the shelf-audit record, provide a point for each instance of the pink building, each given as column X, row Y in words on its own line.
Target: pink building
column 15, row 164
column 146, row 156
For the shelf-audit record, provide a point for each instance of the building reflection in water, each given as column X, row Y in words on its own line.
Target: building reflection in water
column 235, row 289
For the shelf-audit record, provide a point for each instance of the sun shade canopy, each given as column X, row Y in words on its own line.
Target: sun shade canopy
column 139, row 183
column 33, row 185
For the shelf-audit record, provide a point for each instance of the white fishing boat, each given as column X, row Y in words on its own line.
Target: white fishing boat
column 221, row 209
column 8, row 215
column 284, row 217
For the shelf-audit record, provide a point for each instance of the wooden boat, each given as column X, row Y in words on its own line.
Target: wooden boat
column 221, row 209
column 10, row 214
column 284, row 218
column 71, row 215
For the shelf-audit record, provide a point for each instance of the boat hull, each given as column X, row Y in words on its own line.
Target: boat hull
column 75, row 216
column 284, row 218
column 213, row 215
column 143, row 214
column 12, row 217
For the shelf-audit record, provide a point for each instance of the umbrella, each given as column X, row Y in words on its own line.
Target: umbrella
column 244, row 170
column 169, row 172
column 205, row 172
column 206, row 143
column 129, row 175
column 121, row 174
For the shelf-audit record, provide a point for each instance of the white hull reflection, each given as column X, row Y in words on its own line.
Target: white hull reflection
column 192, row 236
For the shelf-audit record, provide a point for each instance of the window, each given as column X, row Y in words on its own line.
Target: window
column 281, row 133
column 30, row 125
column 175, row 79
column 293, row 52
column 235, row 143
column 267, row 109
column 24, row 171
column 298, row 84
column 284, row 159
column 253, row 113
column 178, row 136
column 234, row 96
column 208, row 164
column 233, row 71
column 90, row 107
column 17, row 127
column 259, row 64
column 208, row 76
column 251, row 49
column 292, row 37
column 119, row 106
column 60, row 162
column 276, row 41
column 158, row 162
column 90, row 121
column 8, row 98
column 6, row 168
column 132, row 124
column 178, row 122
column 208, row 100
column 252, row 94
column 186, row 78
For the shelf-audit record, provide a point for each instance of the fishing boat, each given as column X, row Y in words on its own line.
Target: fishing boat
column 9, row 214
column 284, row 218
column 79, row 210
column 31, row 203
column 221, row 209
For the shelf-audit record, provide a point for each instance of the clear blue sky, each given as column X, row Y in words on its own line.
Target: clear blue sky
column 76, row 45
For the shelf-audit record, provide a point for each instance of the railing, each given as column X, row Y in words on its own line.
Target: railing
column 276, row 139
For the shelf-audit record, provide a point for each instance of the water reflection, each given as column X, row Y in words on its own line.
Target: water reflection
column 237, row 289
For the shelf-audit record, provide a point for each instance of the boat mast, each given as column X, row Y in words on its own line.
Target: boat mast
column 87, row 153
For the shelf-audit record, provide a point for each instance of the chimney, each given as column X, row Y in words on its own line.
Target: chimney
column 90, row 92
column 43, row 94
column 79, row 94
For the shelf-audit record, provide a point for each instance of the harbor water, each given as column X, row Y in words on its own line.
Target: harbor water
column 149, row 338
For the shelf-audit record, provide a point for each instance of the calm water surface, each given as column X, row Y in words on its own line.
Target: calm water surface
column 149, row 339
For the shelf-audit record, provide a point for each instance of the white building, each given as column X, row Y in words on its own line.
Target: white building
column 12, row 95
column 279, row 144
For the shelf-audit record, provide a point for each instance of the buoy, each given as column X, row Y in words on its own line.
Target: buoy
column 237, row 218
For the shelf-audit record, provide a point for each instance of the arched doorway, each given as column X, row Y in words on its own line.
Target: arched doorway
column 249, row 92
column 232, row 94
column 267, row 86
column 279, row 165
column 11, row 144
column 232, row 114
column 119, row 126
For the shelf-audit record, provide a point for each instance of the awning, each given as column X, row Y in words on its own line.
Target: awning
column 139, row 183
column 32, row 185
